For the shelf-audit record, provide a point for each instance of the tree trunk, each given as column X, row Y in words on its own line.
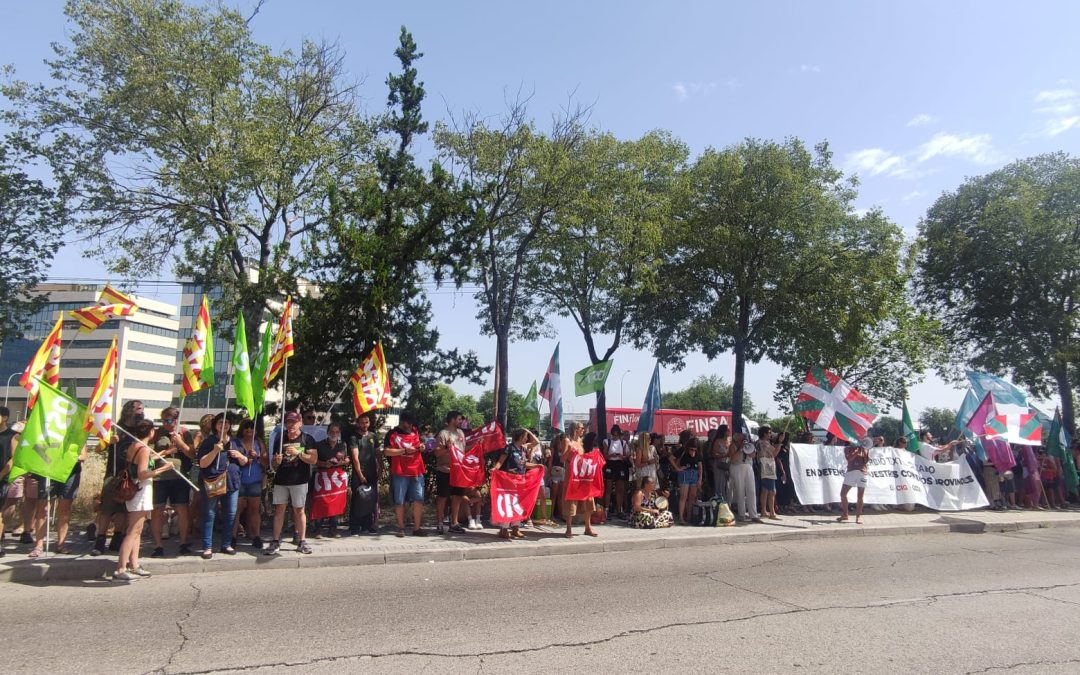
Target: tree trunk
column 1061, row 375
column 601, row 416
column 737, row 387
column 502, row 370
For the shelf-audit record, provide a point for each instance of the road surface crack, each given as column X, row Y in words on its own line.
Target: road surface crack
column 182, row 632
column 1013, row 666
column 793, row 609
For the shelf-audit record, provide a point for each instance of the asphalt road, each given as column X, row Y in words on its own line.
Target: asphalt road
column 952, row 603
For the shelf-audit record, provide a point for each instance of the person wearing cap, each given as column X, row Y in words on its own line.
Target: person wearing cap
column 292, row 466
column 218, row 456
column 858, row 461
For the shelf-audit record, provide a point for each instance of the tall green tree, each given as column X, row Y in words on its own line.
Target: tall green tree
column 515, row 409
column 385, row 234
column 706, row 392
column 184, row 142
column 515, row 179
column 604, row 251
column 938, row 421
column 32, row 218
column 998, row 267
column 765, row 251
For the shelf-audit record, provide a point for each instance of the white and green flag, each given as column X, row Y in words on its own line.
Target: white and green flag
column 592, row 379
column 241, row 364
column 53, row 438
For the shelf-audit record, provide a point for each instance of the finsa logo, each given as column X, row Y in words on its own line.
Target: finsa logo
column 469, row 460
column 508, row 505
column 583, row 468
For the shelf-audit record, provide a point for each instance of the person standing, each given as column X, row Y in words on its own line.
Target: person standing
column 741, row 458
column 721, row 465
column 219, row 464
column 688, row 466
column 557, row 472
column 515, row 459
column 578, row 444
column 451, row 438
column 332, row 456
column 366, row 458
column 766, row 458
column 251, row 482
column 292, row 467
column 8, row 439
column 176, row 445
column 137, row 464
column 858, row 461
column 110, row 510
column 404, row 447
column 616, row 473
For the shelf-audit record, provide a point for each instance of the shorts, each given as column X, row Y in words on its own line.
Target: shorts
column 444, row 489
column 251, row 489
column 769, row 484
column 297, row 494
column 143, row 499
column 558, row 474
column 407, row 489
column 1008, row 486
column 855, row 479
column 14, row 489
column 1051, row 483
column 689, row 477
column 617, row 469
column 68, row 489
column 173, row 491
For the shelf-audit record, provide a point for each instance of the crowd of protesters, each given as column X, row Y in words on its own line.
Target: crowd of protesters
column 150, row 470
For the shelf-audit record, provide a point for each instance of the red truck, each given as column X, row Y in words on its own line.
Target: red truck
column 669, row 422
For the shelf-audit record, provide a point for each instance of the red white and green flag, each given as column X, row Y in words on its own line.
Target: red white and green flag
column 835, row 406
column 1019, row 428
column 551, row 390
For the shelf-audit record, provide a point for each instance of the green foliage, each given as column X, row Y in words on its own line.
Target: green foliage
column 938, row 421
column 383, row 235
column 888, row 427
column 765, row 254
column 442, row 400
column 32, row 218
column 998, row 266
column 706, row 392
column 515, row 409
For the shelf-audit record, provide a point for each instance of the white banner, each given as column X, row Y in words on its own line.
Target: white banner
column 895, row 476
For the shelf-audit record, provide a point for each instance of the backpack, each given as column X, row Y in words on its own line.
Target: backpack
column 703, row 514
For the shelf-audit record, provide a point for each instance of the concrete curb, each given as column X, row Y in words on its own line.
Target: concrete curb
column 84, row 568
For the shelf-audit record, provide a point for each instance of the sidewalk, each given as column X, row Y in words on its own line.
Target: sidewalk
column 385, row 548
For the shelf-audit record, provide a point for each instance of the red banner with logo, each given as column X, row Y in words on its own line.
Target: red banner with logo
column 466, row 467
column 487, row 438
column 513, row 496
column 585, row 476
column 331, row 493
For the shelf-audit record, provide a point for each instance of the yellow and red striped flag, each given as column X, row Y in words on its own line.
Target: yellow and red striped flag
column 371, row 383
column 99, row 412
column 199, row 354
column 110, row 303
column 45, row 365
column 283, row 344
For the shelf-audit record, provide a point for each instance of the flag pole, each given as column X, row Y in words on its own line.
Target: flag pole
column 338, row 397
column 47, row 511
column 156, row 455
column 284, row 397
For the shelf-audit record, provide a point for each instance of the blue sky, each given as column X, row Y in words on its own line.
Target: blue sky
column 913, row 97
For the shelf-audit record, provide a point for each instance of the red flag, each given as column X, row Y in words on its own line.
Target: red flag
column 331, row 492
column 513, row 495
column 487, row 438
column 585, row 476
column 466, row 468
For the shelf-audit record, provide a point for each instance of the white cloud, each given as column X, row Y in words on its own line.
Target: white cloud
column 914, row 194
column 975, row 147
column 684, row 90
column 1052, row 95
column 1061, row 108
column 874, row 161
column 921, row 119
column 809, row 68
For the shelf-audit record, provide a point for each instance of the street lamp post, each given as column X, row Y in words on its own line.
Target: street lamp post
column 621, row 380
column 7, row 388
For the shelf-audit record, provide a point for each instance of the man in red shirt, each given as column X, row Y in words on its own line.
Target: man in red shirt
column 403, row 447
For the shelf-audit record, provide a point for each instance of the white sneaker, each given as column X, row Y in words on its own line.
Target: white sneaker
column 475, row 525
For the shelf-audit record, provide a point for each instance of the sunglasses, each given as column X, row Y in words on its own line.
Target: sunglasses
column 168, row 420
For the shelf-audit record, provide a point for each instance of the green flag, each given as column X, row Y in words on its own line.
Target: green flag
column 1058, row 446
column 242, row 369
column 590, row 380
column 262, row 363
column 908, row 429
column 53, row 437
column 530, row 418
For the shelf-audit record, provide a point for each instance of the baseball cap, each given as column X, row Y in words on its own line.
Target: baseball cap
column 291, row 417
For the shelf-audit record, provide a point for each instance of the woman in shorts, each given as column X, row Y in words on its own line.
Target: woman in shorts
column 858, row 459
column 140, row 505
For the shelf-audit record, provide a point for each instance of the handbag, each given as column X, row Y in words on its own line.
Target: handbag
column 703, row 514
column 217, row 486
column 125, row 487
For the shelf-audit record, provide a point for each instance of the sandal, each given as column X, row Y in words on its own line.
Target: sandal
column 62, row 549
column 34, row 552
column 207, row 554
column 228, row 550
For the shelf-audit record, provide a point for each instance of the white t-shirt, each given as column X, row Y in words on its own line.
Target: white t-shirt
column 617, row 450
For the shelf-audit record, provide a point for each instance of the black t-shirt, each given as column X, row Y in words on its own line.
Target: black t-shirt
column 688, row 461
column 292, row 470
column 5, row 446
column 328, row 452
column 162, row 442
